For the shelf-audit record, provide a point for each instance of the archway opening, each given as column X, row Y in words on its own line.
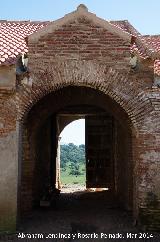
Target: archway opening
column 72, row 157
column 108, row 147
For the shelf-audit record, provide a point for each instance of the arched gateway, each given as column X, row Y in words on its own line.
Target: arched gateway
column 80, row 62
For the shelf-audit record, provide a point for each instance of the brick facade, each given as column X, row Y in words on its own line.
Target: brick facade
column 81, row 51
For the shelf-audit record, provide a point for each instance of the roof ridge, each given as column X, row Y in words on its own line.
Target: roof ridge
column 126, row 26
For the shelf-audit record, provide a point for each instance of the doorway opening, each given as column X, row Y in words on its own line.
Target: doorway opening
column 98, row 152
column 72, row 156
column 108, row 155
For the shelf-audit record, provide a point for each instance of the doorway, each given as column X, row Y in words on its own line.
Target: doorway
column 72, row 156
column 107, row 149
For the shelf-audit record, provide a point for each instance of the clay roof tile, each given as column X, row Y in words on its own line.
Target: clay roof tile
column 13, row 36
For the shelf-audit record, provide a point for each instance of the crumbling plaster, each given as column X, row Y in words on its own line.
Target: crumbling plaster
column 106, row 70
column 7, row 77
column 9, row 147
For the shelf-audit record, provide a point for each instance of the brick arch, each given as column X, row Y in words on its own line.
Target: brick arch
column 88, row 74
column 119, row 87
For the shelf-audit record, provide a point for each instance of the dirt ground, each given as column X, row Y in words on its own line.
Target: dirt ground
column 83, row 215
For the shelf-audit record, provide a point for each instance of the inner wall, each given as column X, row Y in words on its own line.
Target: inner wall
column 40, row 144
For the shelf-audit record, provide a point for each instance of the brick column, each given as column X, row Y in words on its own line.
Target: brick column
column 149, row 167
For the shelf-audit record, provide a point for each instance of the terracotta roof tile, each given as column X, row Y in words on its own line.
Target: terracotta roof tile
column 154, row 41
column 126, row 26
column 12, row 38
column 143, row 45
column 157, row 67
column 13, row 34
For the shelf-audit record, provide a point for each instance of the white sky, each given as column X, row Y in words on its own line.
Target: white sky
column 74, row 133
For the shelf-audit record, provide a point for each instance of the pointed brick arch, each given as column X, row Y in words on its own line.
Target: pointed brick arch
column 90, row 74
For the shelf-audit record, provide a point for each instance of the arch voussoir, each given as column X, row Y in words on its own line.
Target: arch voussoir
column 81, row 73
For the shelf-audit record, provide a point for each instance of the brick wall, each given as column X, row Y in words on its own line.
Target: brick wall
column 83, row 40
column 81, row 53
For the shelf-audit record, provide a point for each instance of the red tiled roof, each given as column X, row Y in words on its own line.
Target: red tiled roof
column 142, row 45
column 13, row 34
column 12, row 38
column 154, row 41
column 157, row 67
column 126, row 26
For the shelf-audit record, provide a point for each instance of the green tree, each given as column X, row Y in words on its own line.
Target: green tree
column 73, row 156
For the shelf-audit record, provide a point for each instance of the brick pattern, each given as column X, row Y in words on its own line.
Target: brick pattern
column 13, row 37
column 83, row 73
column 81, row 39
column 117, row 87
column 8, row 113
column 38, row 115
column 27, row 168
column 71, row 57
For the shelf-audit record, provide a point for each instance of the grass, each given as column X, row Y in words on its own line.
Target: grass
column 66, row 178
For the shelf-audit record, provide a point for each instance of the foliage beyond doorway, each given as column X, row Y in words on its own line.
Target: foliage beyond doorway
column 73, row 169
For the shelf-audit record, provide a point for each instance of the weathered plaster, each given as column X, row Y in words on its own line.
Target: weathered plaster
column 8, row 180
column 79, row 50
column 7, row 76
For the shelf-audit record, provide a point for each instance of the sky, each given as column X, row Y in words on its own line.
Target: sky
column 142, row 14
column 74, row 133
